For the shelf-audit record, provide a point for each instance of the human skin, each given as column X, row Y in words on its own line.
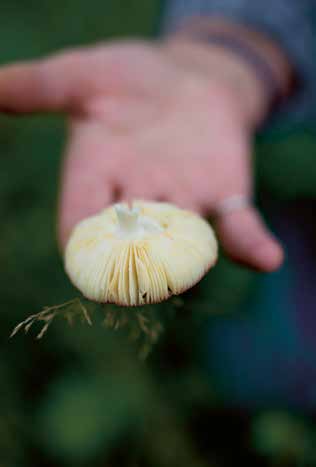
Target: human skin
column 170, row 120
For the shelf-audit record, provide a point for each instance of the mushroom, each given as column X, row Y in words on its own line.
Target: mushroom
column 139, row 255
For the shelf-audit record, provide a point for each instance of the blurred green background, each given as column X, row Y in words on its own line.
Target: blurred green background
column 81, row 396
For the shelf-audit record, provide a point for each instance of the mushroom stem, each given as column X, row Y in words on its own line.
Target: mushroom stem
column 133, row 225
column 127, row 218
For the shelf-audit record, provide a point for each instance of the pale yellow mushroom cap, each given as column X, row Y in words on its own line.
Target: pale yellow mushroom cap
column 140, row 255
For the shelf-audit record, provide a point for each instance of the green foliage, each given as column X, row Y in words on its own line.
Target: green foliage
column 286, row 437
column 286, row 165
column 85, row 414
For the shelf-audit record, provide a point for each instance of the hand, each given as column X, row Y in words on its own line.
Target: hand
column 145, row 124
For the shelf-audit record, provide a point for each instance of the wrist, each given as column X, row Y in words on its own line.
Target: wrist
column 224, row 69
column 248, row 62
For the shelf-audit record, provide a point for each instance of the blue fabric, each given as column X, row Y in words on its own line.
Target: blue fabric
column 289, row 22
column 265, row 353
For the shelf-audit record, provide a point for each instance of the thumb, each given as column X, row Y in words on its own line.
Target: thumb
column 246, row 239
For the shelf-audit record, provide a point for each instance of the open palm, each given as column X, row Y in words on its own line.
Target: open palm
column 143, row 126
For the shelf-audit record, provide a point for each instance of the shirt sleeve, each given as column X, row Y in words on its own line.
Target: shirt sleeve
column 288, row 22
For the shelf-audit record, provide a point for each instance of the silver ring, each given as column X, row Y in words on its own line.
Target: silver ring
column 231, row 204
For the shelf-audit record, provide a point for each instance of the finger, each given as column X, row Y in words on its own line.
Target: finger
column 86, row 185
column 134, row 184
column 56, row 83
column 143, row 184
column 186, row 200
column 140, row 183
column 246, row 239
column 63, row 81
